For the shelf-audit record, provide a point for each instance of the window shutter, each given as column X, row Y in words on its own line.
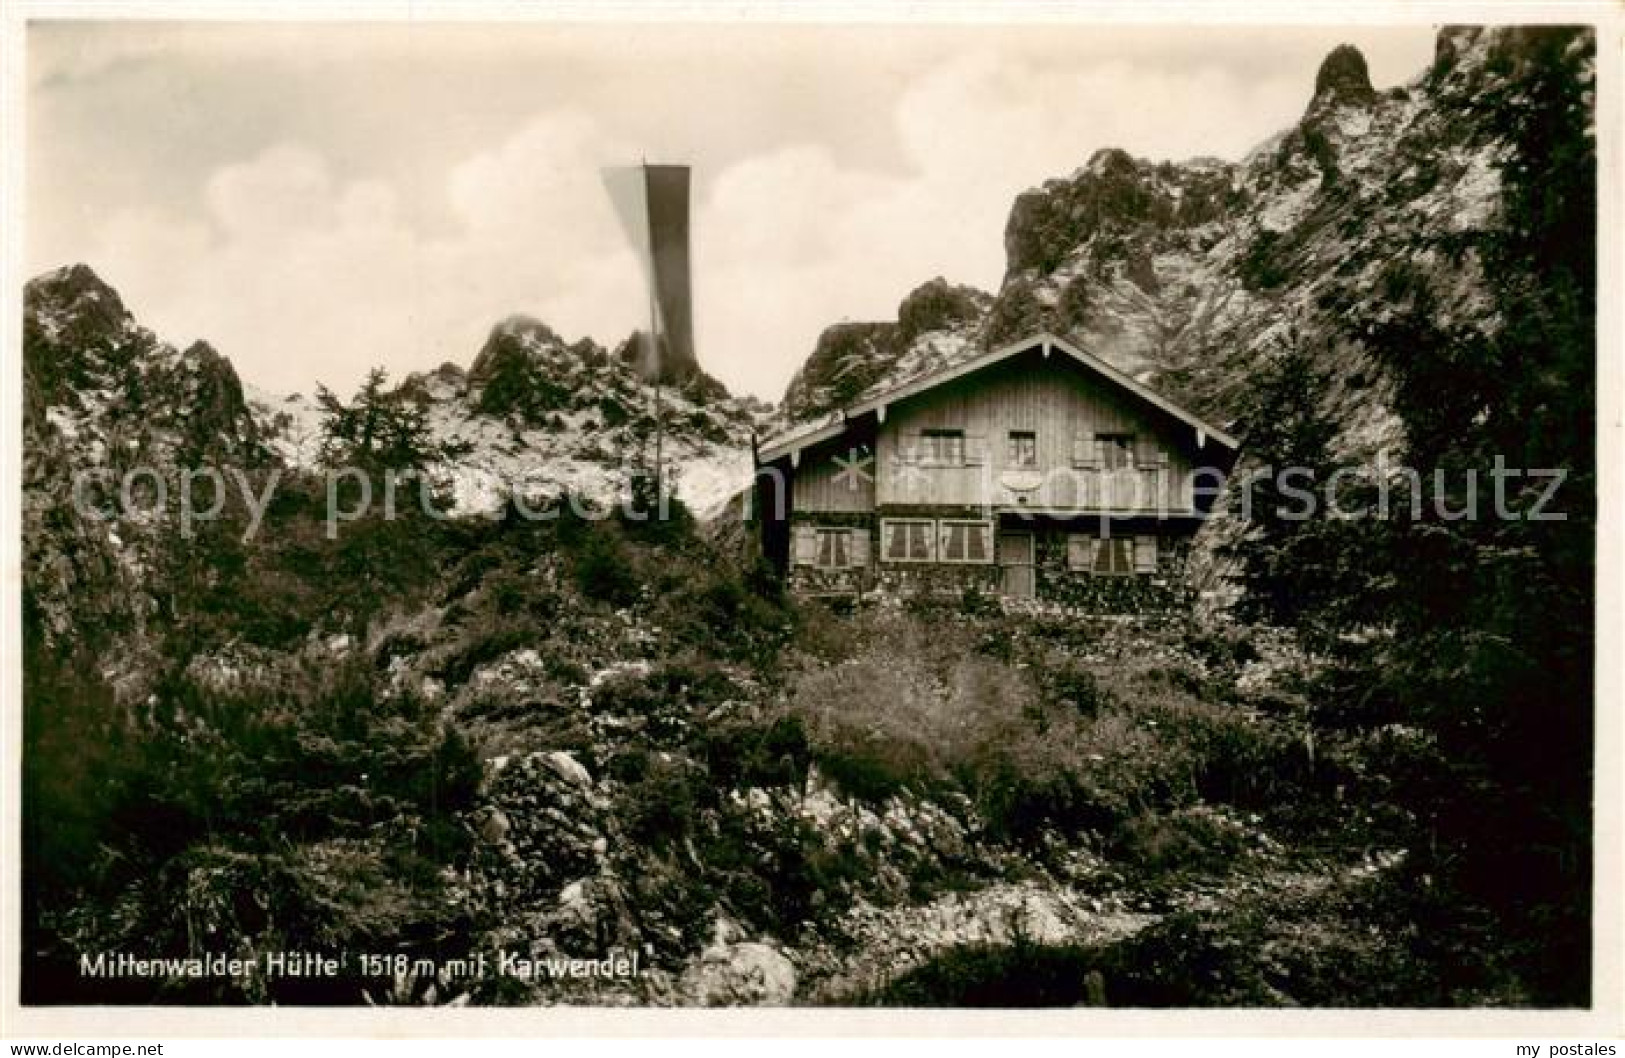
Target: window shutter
column 858, row 548
column 1084, row 451
column 908, row 448
column 1145, row 554
column 975, row 449
column 806, row 549
column 1080, row 551
column 1147, row 453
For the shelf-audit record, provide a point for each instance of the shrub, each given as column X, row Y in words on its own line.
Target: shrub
column 310, row 807
column 1189, row 839
column 696, row 592
column 772, row 869
column 743, row 754
column 603, row 570
column 874, row 725
column 1071, row 685
column 660, row 807
column 975, row 602
column 482, row 642
column 1262, row 267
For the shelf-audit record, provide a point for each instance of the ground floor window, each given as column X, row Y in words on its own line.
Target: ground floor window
column 966, row 541
column 908, row 539
column 831, row 547
column 1111, row 556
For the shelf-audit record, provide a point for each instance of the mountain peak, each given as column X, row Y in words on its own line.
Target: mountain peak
column 77, row 278
column 1343, row 78
column 1111, row 161
column 520, row 325
column 75, row 296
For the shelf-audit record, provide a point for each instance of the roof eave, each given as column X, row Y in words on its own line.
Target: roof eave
column 1045, row 339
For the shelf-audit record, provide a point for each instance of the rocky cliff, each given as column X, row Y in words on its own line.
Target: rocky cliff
column 1190, row 275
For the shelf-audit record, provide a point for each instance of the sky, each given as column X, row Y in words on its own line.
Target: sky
column 314, row 199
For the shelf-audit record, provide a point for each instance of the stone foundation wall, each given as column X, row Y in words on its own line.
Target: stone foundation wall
column 935, row 578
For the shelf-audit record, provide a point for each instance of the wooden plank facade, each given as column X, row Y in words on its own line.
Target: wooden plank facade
column 1034, row 466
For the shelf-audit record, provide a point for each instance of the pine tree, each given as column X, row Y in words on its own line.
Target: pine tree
column 380, row 429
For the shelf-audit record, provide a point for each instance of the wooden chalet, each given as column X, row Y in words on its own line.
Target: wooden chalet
column 1033, row 470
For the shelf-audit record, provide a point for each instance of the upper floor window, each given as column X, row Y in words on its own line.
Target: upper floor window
column 942, row 448
column 1115, row 450
column 1023, row 451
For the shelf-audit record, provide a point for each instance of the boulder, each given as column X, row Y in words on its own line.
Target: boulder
column 593, row 918
column 568, row 768
column 746, row 974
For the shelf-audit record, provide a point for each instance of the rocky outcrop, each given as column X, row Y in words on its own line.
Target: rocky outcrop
column 1190, row 275
column 874, row 945
column 544, row 829
column 937, row 323
column 1343, row 79
column 848, row 359
column 747, row 973
column 939, row 306
column 104, row 396
column 105, row 387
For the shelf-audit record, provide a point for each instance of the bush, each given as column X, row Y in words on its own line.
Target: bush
column 698, row 594
column 309, row 808
column 1037, row 739
column 1070, row 685
column 744, row 754
column 1189, row 839
column 661, row 805
column 1261, row 267
column 603, row 569
column 481, row 643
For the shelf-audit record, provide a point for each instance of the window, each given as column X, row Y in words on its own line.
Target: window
column 1114, row 450
column 1023, row 450
column 966, row 541
column 942, row 448
column 1112, row 556
column 830, row 547
column 908, row 540
column 834, row 547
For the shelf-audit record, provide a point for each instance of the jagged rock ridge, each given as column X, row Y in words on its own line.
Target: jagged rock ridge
column 1190, row 275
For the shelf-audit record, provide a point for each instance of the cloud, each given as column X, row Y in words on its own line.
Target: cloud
column 321, row 252
column 300, row 277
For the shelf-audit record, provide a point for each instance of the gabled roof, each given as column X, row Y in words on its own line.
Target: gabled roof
column 835, row 423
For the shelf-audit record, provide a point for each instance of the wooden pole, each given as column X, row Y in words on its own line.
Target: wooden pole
column 655, row 360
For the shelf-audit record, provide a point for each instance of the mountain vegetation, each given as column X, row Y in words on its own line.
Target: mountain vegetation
column 1358, row 775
